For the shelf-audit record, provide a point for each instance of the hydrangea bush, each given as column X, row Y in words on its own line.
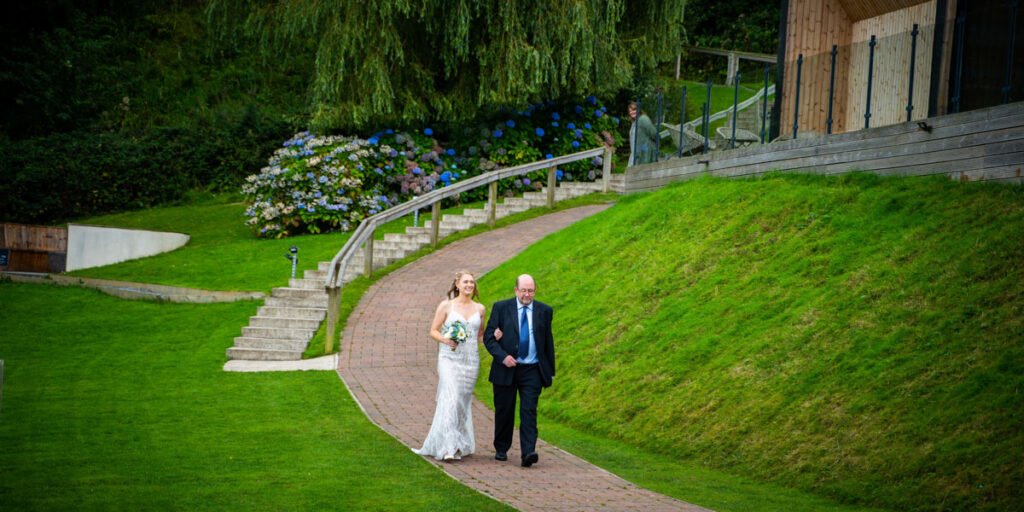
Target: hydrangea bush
column 317, row 183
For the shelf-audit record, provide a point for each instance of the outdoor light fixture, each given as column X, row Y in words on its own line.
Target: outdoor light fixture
column 924, row 126
column 293, row 255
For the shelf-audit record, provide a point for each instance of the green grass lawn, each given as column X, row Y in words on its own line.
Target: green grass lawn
column 122, row 405
column 222, row 253
column 855, row 337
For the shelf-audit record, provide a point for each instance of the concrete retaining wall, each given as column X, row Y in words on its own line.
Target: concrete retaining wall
column 95, row 246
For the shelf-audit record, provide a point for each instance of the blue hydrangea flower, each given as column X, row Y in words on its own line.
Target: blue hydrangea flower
column 428, row 132
column 586, row 125
column 598, row 113
column 497, row 134
column 373, row 141
column 549, row 156
column 389, row 131
column 578, row 109
column 317, row 194
column 555, row 116
column 592, row 99
column 510, row 123
column 559, row 174
column 539, row 132
column 571, row 126
column 323, row 179
column 554, row 123
column 578, row 133
column 526, row 181
column 417, row 170
column 575, row 143
column 309, row 175
column 451, row 152
column 378, row 171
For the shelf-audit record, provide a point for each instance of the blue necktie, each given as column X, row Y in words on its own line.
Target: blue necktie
column 524, row 336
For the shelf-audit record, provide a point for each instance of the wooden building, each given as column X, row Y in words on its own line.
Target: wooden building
column 957, row 43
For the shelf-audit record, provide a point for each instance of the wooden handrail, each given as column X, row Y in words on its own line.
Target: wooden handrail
column 364, row 232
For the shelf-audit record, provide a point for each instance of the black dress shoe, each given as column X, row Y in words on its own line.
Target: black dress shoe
column 502, row 456
column 530, row 459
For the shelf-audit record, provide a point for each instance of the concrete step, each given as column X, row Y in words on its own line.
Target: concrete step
column 278, row 333
column 320, row 275
column 442, row 231
column 271, row 344
column 306, row 284
column 253, row 354
column 284, row 322
column 407, row 243
column 421, row 239
column 299, row 293
column 295, row 302
column 279, row 312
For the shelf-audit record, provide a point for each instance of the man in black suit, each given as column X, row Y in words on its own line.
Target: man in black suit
column 519, row 337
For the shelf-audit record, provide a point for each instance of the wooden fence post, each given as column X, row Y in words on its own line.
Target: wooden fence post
column 435, row 220
column 492, row 203
column 333, row 312
column 606, row 171
column 368, row 256
column 551, row 187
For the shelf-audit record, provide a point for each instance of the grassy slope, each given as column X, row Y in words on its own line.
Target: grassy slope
column 111, row 404
column 857, row 337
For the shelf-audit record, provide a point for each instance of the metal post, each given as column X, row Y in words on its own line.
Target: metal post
column 1008, row 82
column 735, row 102
column 333, row 310
column 368, row 256
column 913, row 57
column 435, row 220
column 871, row 71
column 415, row 215
column 704, row 126
column 635, row 151
column 832, row 88
column 707, row 116
column 961, row 22
column 682, row 122
column 551, row 185
column 764, row 106
column 492, row 203
column 606, row 169
column 796, row 100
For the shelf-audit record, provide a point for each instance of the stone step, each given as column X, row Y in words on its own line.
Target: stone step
column 522, row 201
column 453, row 225
column 406, row 243
column 421, row 239
column 278, row 333
column 281, row 322
column 306, row 284
column 320, row 275
column 442, row 231
column 271, row 344
column 253, row 354
column 299, row 293
column 279, row 312
column 295, row 302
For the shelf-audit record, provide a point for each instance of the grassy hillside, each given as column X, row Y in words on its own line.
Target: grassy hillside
column 858, row 337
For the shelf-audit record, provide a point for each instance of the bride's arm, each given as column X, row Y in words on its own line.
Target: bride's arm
column 480, row 332
column 435, row 327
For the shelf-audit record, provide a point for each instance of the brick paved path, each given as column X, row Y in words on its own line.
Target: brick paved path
column 389, row 363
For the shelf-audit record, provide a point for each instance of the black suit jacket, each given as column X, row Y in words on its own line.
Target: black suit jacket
column 504, row 315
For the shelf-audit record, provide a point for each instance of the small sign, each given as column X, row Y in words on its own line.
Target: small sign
column 5, row 257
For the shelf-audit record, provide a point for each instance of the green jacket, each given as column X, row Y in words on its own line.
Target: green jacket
column 646, row 150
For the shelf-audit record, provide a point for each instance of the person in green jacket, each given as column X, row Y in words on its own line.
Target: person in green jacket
column 643, row 138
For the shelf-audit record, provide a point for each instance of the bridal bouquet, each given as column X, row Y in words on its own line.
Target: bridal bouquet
column 456, row 330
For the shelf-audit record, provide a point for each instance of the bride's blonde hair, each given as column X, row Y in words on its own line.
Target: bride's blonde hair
column 454, row 290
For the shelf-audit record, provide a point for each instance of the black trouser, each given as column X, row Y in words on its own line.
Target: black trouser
column 528, row 384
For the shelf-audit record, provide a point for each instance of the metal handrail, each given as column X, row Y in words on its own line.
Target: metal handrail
column 367, row 227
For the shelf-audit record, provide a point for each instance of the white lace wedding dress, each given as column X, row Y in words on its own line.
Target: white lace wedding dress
column 451, row 433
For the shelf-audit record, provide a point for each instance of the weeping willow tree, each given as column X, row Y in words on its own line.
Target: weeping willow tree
column 408, row 61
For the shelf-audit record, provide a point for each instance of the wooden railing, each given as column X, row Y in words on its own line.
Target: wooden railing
column 363, row 235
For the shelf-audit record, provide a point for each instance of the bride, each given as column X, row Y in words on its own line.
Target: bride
column 456, row 328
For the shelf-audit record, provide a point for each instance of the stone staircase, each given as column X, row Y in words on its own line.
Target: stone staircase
column 289, row 318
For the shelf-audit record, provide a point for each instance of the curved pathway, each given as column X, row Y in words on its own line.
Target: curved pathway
column 389, row 364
